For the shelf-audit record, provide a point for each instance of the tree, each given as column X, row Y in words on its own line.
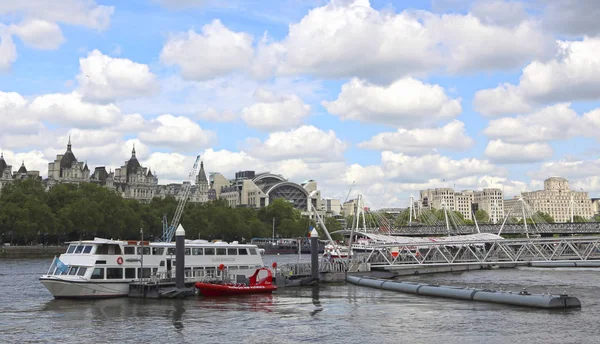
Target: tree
column 544, row 216
column 482, row 216
column 579, row 219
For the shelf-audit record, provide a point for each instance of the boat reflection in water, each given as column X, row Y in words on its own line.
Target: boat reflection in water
column 252, row 302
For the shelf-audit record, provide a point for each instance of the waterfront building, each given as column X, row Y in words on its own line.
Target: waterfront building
column 5, row 172
column 491, row 201
column 67, row 169
column 257, row 190
column 559, row 201
column 132, row 180
column 465, row 202
column 199, row 192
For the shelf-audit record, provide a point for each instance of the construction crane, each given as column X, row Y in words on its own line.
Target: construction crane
column 168, row 231
column 349, row 191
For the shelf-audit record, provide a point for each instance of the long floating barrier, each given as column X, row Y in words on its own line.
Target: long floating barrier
column 522, row 298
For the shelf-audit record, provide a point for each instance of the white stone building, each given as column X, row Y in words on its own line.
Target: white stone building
column 465, row 202
column 559, row 201
column 66, row 169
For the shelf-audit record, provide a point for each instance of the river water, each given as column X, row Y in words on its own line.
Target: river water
column 329, row 313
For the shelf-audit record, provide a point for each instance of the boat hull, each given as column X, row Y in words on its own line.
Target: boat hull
column 68, row 289
column 209, row 289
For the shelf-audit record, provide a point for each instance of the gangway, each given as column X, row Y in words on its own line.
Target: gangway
column 547, row 252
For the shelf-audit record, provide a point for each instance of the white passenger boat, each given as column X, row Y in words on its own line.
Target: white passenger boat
column 105, row 268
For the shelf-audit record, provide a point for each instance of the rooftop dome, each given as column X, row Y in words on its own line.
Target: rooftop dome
column 68, row 158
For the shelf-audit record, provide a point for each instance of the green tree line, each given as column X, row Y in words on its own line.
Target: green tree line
column 30, row 215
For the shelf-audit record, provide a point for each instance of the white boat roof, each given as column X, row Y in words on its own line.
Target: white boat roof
column 159, row 244
column 404, row 240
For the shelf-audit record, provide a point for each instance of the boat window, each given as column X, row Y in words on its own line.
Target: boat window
column 87, row 249
column 79, row 249
column 71, row 249
column 154, row 271
column 146, row 250
column 162, row 263
column 158, row 251
column 73, row 270
column 232, row 268
column 188, row 251
column 81, row 271
column 114, row 273
column 129, row 249
column 171, row 251
column 100, row 262
column 253, row 251
column 147, row 273
column 129, row 273
column 108, row 249
column 221, row 251
column 243, row 251
column 197, row 251
column 232, row 251
column 209, row 251
column 187, row 272
column 210, row 271
column 98, row 273
column 243, row 267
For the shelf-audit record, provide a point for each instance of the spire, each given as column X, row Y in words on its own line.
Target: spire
column 201, row 177
column 133, row 151
column 22, row 169
column 69, row 144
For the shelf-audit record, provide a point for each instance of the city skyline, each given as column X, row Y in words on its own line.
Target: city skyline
column 394, row 96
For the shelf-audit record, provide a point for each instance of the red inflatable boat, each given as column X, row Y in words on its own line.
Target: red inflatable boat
column 264, row 285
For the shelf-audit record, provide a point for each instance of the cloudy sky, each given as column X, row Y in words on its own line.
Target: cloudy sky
column 392, row 95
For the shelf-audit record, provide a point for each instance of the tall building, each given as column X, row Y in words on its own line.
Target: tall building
column 67, row 169
column 491, row 201
column 558, row 200
column 133, row 181
column 465, row 202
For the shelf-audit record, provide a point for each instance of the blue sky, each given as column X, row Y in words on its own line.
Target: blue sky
column 396, row 96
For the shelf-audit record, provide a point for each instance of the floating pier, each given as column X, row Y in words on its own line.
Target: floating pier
column 522, row 298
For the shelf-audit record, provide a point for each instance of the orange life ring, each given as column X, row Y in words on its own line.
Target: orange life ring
column 120, row 260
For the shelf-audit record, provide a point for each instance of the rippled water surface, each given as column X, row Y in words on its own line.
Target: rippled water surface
column 329, row 313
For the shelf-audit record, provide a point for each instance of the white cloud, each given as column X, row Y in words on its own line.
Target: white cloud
column 501, row 100
column 406, row 102
column 452, row 136
column 105, row 79
column 348, row 38
column 274, row 112
column 575, row 18
column 177, row 132
column 74, row 12
column 463, row 36
column 213, row 115
column 307, row 142
column 8, row 51
column 511, row 153
column 556, row 122
column 14, row 117
column 39, row 34
column 71, row 109
column 404, row 168
column 216, row 51
column 499, row 12
column 574, row 74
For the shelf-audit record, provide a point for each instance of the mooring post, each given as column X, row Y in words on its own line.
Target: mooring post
column 314, row 254
column 180, row 257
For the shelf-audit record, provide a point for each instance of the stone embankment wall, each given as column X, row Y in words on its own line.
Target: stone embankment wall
column 31, row 251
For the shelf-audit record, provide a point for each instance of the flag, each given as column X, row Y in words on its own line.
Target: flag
column 61, row 267
column 310, row 230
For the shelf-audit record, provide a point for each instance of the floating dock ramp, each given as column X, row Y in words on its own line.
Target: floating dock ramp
column 522, row 298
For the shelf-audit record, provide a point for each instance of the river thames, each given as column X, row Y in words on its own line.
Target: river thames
column 326, row 314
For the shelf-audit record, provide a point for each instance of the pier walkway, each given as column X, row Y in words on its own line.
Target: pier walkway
column 585, row 228
column 542, row 252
